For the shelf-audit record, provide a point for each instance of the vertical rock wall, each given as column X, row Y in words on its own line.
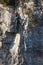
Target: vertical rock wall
column 20, row 42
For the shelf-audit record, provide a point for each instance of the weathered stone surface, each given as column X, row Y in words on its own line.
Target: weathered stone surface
column 20, row 43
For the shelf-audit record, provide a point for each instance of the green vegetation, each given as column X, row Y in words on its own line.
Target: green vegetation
column 4, row 1
column 9, row 2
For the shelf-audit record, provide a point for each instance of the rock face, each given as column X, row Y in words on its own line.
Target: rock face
column 20, row 42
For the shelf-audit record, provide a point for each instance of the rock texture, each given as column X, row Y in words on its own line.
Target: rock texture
column 21, row 41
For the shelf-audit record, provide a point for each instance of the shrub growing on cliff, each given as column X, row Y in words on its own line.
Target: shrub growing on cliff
column 4, row 1
column 10, row 2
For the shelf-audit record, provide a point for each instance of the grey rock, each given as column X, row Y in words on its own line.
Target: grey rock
column 19, row 46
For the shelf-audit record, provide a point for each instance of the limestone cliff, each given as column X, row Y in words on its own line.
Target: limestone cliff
column 21, row 34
